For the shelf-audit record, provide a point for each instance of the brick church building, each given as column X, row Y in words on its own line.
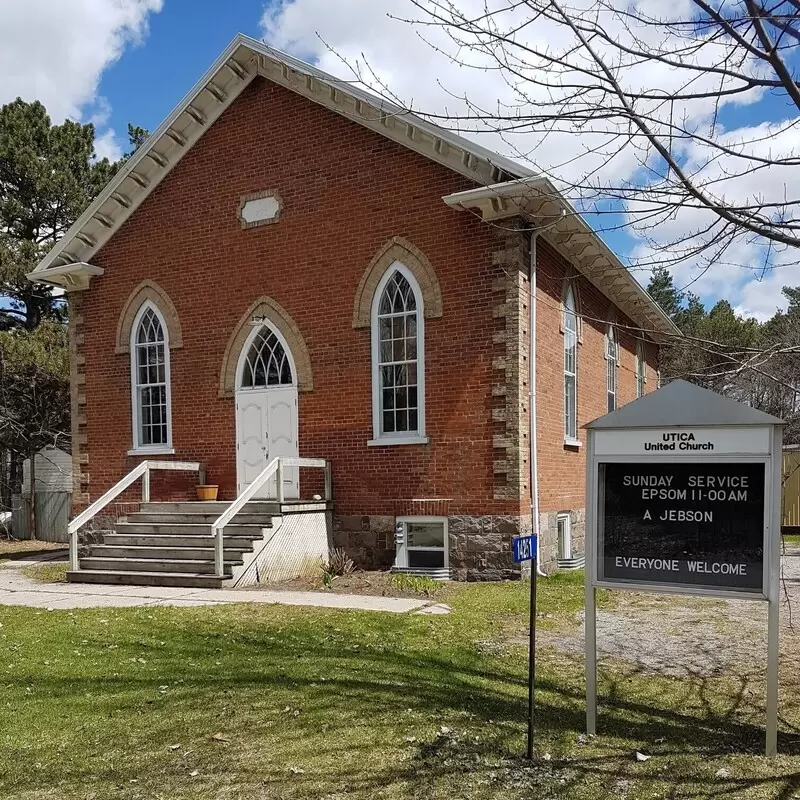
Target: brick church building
column 289, row 266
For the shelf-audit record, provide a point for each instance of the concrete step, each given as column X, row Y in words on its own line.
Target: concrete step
column 158, row 518
column 216, row 507
column 231, row 555
column 187, row 579
column 174, row 565
column 242, row 542
column 167, row 528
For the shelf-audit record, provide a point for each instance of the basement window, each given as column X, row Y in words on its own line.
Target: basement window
column 564, row 531
column 422, row 546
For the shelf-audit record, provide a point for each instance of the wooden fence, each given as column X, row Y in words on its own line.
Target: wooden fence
column 790, row 517
column 52, row 516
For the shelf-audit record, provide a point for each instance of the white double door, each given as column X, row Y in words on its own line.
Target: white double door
column 266, row 427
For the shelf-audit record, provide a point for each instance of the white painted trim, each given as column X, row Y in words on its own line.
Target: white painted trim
column 405, row 437
column 386, row 441
column 248, row 342
column 402, row 550
column 572, row 442
column 155, row 451
column 567, row 519
column 241, row 392
column 137, row 448
column 569, row 293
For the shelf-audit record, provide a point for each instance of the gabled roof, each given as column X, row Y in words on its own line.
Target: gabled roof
column 682, row 404
column 240, row 63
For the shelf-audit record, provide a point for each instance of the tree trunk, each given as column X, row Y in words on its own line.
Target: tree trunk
column 32, row 473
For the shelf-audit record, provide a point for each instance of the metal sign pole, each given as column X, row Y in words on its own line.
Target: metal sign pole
column 524, row 549
column 532, row 658
column 773, row 557
column 590, row 615
column 590, row 626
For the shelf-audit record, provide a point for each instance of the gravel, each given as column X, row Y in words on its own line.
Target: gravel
column 683, row 636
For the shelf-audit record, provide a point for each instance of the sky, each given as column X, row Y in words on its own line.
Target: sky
column 112, row 62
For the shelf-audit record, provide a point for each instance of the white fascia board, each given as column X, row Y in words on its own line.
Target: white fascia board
column 139, row 156
column 148, row 178
column 73, row 277
column 523, row 190
column 380, row 103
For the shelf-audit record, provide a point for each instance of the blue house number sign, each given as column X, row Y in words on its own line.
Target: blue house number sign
column 524, row 548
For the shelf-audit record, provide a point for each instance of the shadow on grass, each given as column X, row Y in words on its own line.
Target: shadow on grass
column 351, row 686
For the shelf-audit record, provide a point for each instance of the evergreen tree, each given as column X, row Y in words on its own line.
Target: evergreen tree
column 662, row 289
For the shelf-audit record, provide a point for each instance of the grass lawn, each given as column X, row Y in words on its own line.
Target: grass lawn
column 791, row 538
column 275, row 702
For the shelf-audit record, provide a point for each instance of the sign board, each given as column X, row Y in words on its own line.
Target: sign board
column 683, row 496
column 697, row 524
column 524, row 548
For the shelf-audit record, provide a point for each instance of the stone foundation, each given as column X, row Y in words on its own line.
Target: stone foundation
column 548, row 536
column 479, row 546
column 368, row 540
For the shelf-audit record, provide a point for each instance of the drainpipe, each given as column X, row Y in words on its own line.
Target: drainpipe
column 533, row 460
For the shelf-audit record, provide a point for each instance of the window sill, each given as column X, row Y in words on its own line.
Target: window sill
column 575, row 444
column 398, row 440
column 160, row 451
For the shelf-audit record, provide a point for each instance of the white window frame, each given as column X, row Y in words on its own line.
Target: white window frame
column 138, row 448
column 569, row 439
column 566, row 518
column 401, row 557
column 611, row 370
column 641, row 368
column 251, row 337
column 405, row 437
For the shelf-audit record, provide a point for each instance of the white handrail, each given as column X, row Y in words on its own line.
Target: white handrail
column 274, row 468
column 140, row 471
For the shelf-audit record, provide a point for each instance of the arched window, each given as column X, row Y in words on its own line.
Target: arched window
column 266, row 362
column 641, row 368
column 152, row 424
column 611, row 366
column 570, row 366
column 398, row 375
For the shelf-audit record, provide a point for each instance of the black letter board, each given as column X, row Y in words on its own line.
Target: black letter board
column 686, row 524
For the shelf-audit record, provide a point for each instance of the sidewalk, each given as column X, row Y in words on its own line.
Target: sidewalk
column 18, row 590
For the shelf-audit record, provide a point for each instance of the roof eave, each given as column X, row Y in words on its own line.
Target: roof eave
column 557, row 219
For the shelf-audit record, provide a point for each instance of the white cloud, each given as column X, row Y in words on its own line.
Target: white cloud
column 426, row 76
column 106, row 145
column 55, row 51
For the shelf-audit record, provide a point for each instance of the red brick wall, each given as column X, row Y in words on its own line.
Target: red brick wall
column 346, row 191
column 562, row 469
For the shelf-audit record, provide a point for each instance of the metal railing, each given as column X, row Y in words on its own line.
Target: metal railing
column 274, row 469
column 141, row 471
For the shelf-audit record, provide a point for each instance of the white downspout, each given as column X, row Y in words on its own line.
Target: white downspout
column 534, row 461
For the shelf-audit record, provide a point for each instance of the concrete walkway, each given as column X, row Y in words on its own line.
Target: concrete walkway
column 18, row 590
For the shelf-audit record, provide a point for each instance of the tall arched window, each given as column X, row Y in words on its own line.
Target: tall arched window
column 398, row 375
column 641, row 368
column 570, row 366
column 152, row 425
column 611, row 366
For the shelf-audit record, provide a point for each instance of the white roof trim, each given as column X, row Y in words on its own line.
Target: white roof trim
column 569, row 232
column 237, row 66
column 70, row 277
column 244, row 59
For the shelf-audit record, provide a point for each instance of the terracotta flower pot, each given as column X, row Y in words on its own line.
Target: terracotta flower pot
column 207, row 492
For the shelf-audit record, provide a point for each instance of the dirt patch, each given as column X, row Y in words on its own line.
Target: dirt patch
column 373, row 584
column 25, row 548
column 685, row 636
